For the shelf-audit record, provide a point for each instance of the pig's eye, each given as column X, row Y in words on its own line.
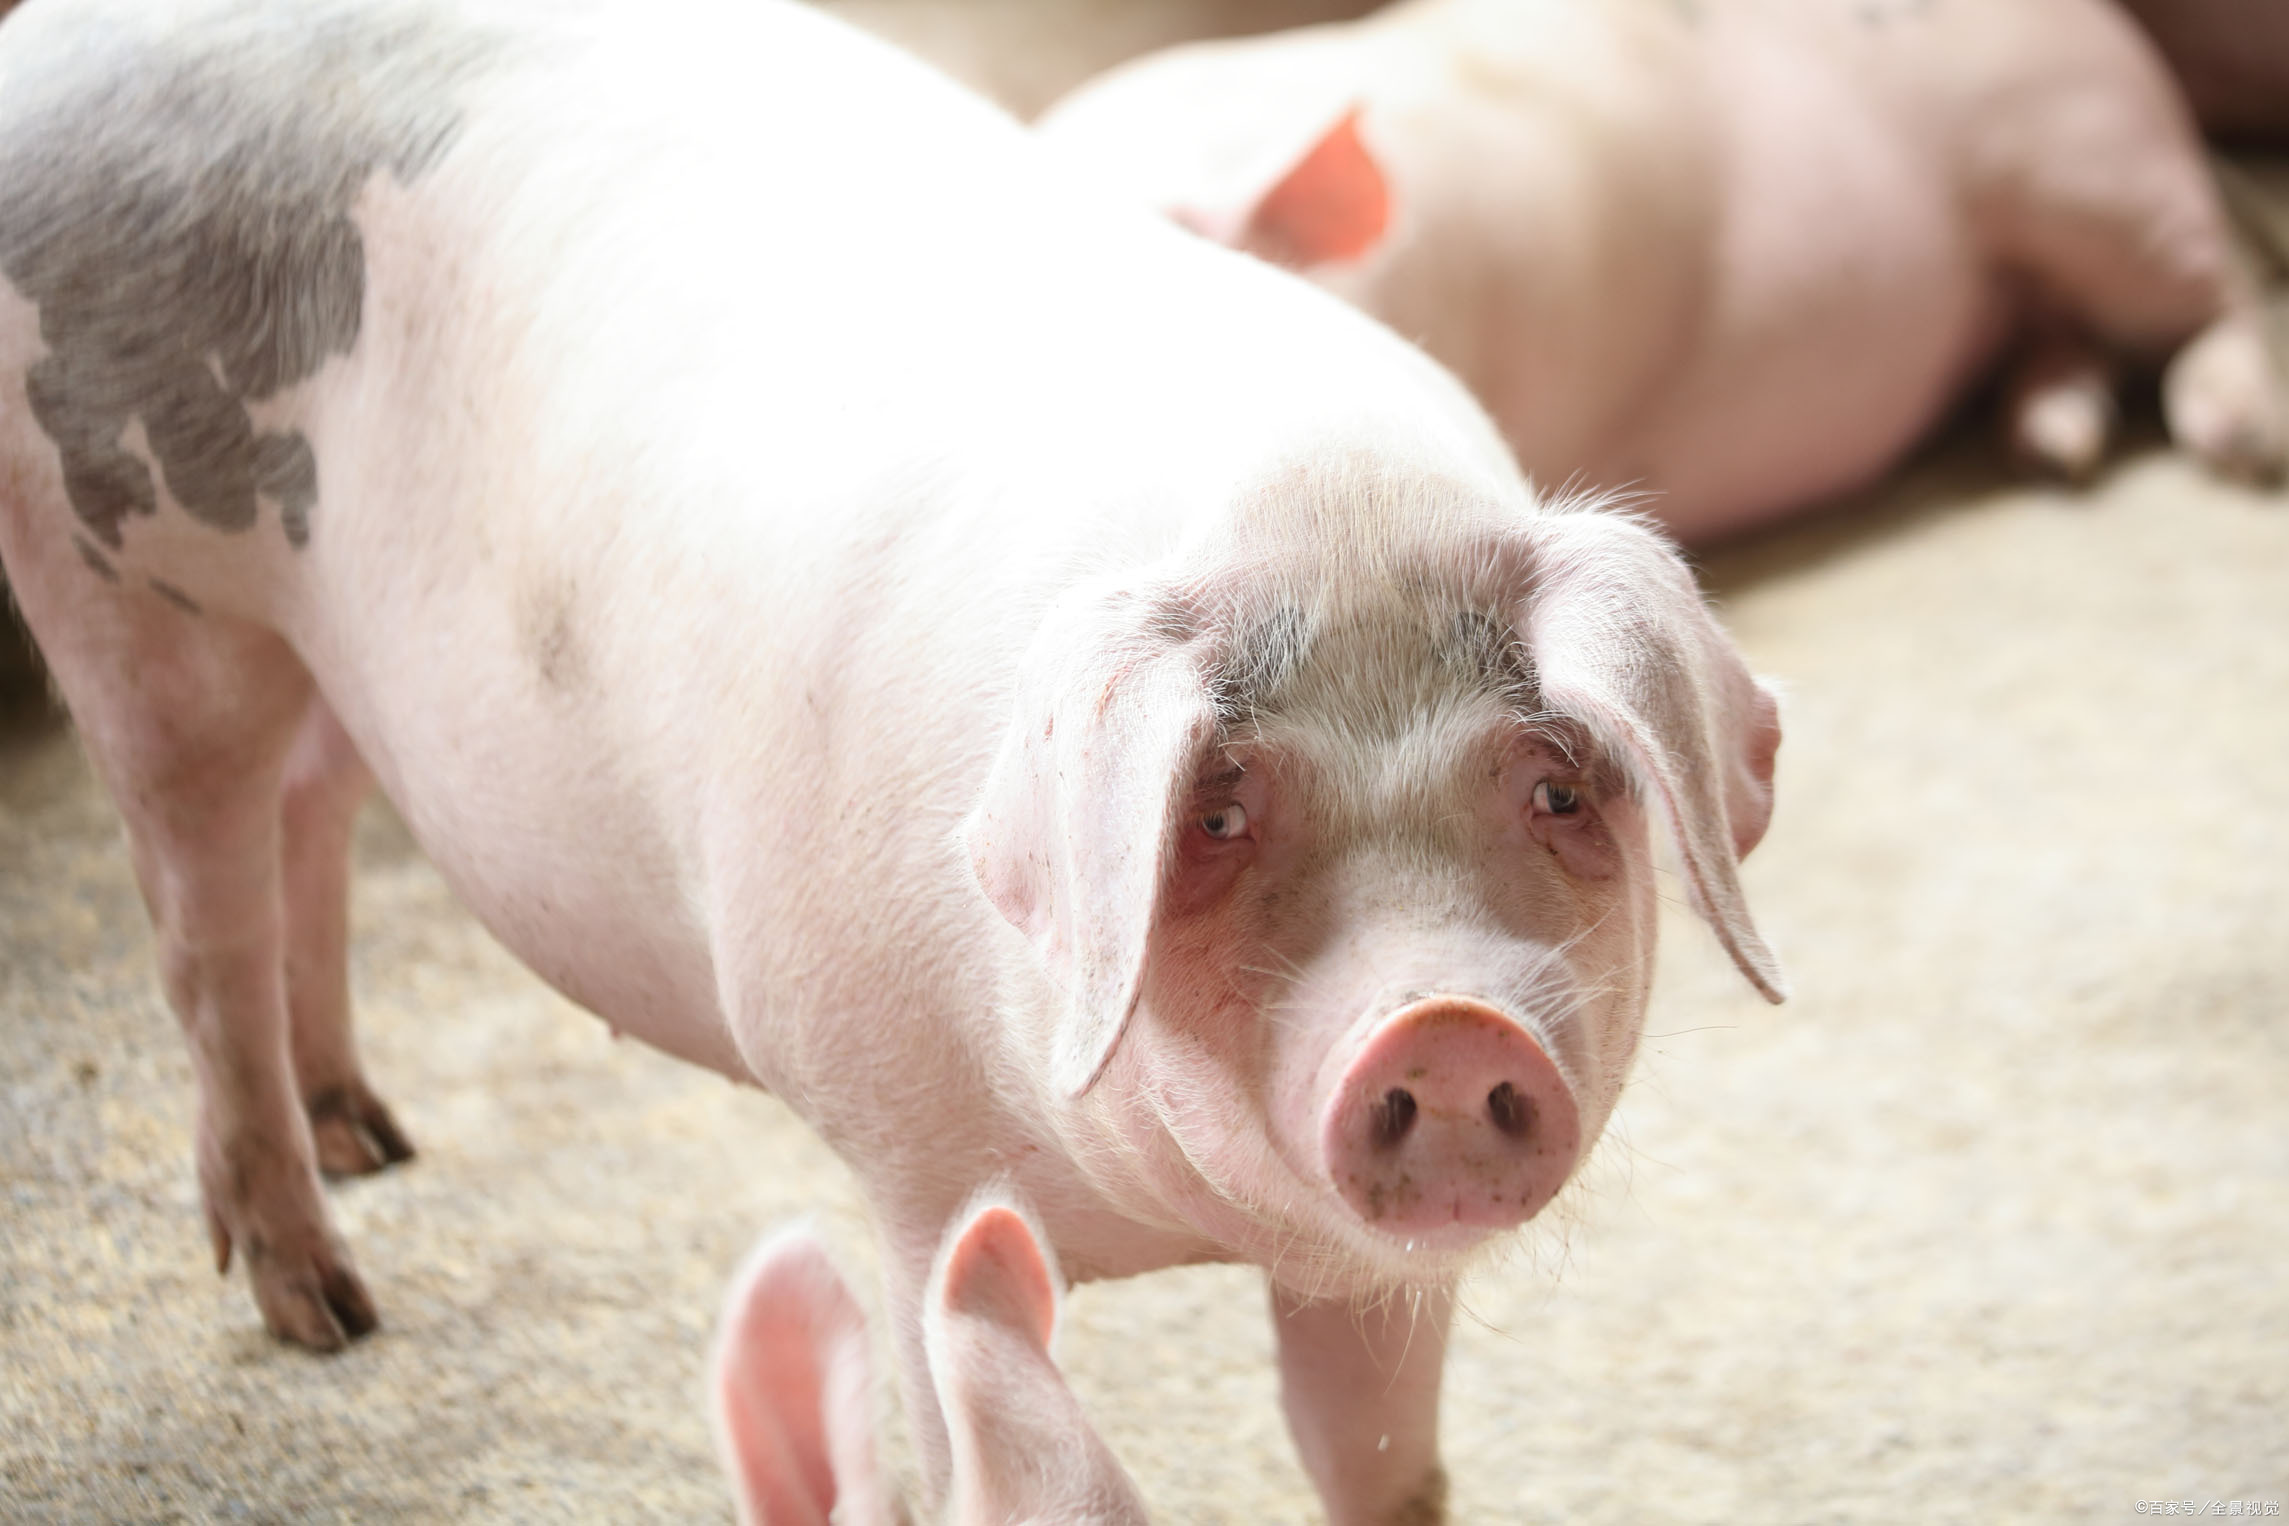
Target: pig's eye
column 1557, row 799
column 1225, row 823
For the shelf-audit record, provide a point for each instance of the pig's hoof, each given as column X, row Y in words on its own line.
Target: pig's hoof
column 313, row 1299
column 2224, row 404
column 2063, row 431
column 305, row 1286
column 354, row 1132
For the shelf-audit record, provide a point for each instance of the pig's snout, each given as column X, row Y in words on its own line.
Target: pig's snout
column 1451, row 1115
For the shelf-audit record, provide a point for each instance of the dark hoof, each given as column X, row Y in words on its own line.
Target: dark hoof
column 354, row 1132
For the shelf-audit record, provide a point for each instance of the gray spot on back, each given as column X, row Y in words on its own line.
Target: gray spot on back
column 176, row 204
column 97, row 562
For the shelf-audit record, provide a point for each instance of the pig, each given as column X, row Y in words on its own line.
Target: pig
column 1055, row 702
column 2232, row 58
column 791, row 1386
column 1738, row 255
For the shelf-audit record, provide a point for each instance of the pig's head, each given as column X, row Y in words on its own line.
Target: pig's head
column 1340, row 860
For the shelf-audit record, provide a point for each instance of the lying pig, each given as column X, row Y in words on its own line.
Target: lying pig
column 792, row 1387
column 1054, row 701
column 1738, row 253
column 2232, row 57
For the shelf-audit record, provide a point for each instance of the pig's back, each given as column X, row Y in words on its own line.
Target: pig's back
column 482, row 349
column 715, row 404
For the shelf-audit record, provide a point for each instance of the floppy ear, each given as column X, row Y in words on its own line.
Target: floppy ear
column 1023, row 1448
column 1072, row 834
column 1621, row 639
column 1332, row 203
column 791, row 1382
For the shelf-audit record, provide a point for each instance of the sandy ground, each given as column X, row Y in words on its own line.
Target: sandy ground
column 1991, row 1222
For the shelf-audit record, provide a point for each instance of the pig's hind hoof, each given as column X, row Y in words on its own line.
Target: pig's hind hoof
column 2223, row 401
column 354, row 1132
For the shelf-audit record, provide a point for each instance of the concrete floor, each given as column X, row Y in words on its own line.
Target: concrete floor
column 1991, row 1222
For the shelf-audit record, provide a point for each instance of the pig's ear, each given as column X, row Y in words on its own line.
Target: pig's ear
column 1331, row 203
column 1072, row 835
column 1024, row 1450
column 791, row 1385
column 1622, row 641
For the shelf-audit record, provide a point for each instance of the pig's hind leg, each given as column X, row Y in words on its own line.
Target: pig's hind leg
column 190, row 717
column 325, row 783
column 2103, row 201
column 2058, row 405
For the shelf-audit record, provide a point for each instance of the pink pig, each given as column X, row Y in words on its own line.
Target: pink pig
column 1059, row 703
column 1738, row 253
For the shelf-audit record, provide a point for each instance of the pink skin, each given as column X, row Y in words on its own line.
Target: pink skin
column 1738, row 254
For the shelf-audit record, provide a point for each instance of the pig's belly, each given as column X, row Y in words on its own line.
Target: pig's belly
column 1850, row 300
column 532, row 804
column 607, row 923
column 1786, row 422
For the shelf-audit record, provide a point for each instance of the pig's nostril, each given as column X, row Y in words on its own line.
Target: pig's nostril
column 1393, row 1116
column 1512, row 1113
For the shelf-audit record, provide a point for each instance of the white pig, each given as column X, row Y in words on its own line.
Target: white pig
column 1054, row 701
column 791, row 1388
column 1740, row 254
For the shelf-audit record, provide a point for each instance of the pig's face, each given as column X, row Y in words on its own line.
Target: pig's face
column 1354, row 892
column 1402, row 950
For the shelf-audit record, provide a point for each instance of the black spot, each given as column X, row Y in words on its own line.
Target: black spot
column 176, row 203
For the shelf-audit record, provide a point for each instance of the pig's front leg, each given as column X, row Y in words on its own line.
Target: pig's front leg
column 1361, row 1387
column 909, row 1243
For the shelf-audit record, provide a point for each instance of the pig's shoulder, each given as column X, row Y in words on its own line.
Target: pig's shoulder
column 175, row 193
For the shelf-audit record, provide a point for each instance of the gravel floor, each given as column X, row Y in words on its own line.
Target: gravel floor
column 1990, row 1222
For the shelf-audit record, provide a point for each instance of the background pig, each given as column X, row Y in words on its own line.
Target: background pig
column 1738, row 253
column 1050, row 699
column 2231, row 57
column 791, row 1384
